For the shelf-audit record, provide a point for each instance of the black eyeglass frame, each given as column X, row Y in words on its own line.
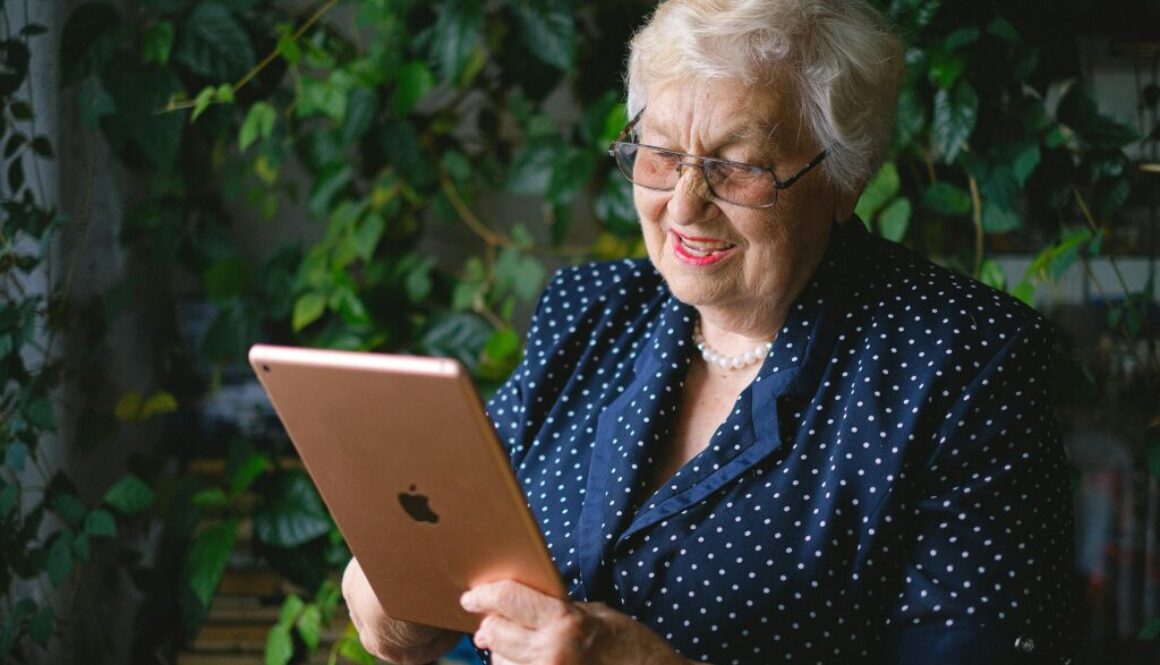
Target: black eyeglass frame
column 699, row 162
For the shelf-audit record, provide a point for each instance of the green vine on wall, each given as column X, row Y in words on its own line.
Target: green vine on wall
column 49, row 535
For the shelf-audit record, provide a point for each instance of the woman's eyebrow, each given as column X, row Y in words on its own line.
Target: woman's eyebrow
column 762, row 133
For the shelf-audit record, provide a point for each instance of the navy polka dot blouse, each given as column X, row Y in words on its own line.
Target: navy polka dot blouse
column 890, row 488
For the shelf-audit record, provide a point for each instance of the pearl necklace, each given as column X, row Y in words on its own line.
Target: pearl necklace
column 728, row 362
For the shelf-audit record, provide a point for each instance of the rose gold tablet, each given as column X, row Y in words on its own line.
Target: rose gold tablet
column 413, row 473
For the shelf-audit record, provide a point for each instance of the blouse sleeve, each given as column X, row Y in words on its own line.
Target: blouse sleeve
column 989, row 572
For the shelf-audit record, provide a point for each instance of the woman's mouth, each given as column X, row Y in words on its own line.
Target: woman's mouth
column 700, row 251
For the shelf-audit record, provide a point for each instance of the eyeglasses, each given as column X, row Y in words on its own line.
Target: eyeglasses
column 732, row 182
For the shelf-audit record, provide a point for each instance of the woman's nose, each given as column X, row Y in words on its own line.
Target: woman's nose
column 691, row 197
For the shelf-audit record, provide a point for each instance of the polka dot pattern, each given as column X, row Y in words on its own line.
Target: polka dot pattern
column 890, row 488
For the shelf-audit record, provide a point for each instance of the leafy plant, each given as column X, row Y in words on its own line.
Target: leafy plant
column 386, row 122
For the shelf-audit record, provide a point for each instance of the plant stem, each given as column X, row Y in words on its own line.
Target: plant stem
column 977, row 218
column 1087, row 214
column 491, row 238
column 264, row 62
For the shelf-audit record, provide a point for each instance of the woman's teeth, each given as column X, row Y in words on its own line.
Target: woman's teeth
column 701, row 248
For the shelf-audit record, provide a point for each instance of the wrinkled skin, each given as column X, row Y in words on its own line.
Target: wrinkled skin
column 400, row 642
column 522, row 626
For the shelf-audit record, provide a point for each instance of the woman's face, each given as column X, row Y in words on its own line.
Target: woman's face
column 746, row 263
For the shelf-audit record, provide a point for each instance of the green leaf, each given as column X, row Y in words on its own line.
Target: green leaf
column 291, row 608
column 159, row 403
column 94, row 101
column 532, row 166
column 417, row 281
column 502, row 344
column 292, row 513
column 946, row 67
column 130, row 495
column 883, row 187
column 59, row 562
column 415, row 80
column 279, row 646
column 518, row 273
column 1025, row 163
column 243, row 466
column 1103, row 132
column 460, row 336
column 100, row 523
column 947, row 199
column 202, row 102
column 367, row 235
column 41, row 415
column 571, row 171
column 309, row 626
column 350, row 647
column 961, row 37
column 15, row 455
column 157, row 42
column 80, row 548
column 212, row 497
column 288, row 49
column 1110, row 196
column 69, row 508
column 548, row 28
column 1002, row 28
column 895, row 219
column 1024, row 291
column 213, row 44
column 456, row 165
column 1000, row 194
column 954, row 120
column 327, row 186
column 991, row 274
column 207, row 558
column 43, row 147
column 455, row 36
column 259, row 124
column 8, row 499
column 361, row 108
column 910, row 118
column 307, row 309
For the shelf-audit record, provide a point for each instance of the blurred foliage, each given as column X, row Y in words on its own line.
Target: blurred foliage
column 384, row 122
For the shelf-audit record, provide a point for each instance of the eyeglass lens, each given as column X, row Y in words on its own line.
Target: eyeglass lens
column 730, row 181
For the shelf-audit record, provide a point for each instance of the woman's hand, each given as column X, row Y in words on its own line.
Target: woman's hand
column 525, row 627
column 396, row 641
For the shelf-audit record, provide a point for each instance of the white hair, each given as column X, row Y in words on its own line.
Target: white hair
column 840, row 56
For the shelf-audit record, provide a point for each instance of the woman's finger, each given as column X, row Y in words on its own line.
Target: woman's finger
column 505, row 639
column 514, row 601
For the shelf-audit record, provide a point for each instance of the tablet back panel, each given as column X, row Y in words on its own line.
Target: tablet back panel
column 413, row 474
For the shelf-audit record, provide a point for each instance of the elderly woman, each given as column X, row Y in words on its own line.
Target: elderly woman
column 781, row 438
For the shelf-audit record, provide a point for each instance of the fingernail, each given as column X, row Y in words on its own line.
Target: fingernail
column 468, row 602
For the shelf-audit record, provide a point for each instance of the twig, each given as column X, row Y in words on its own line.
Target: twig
column 977, row 218
column 1087, row 213
column 491, row 238
column 264, row 62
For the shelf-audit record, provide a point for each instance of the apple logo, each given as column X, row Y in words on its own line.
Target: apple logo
column 416, row 506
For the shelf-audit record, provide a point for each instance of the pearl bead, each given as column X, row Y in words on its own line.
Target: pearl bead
column 760, row 352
